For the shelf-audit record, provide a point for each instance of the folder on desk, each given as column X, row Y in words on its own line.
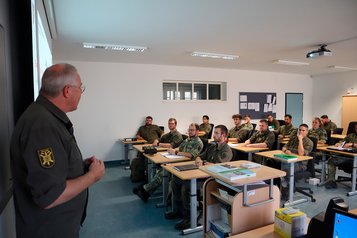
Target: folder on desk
column 186, row 167
column 286, row 157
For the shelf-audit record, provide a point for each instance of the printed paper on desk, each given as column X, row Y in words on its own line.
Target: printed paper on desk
column 167, row 155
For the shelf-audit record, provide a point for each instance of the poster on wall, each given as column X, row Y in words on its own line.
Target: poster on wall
column 257, row 105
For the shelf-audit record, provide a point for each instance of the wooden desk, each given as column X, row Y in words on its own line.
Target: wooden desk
column 127, row 144
column 259, row 200
column 248, row 150
column 337, row 136
column 191, row 175
column 270, row 154
column 342, row 154
column 265, row 231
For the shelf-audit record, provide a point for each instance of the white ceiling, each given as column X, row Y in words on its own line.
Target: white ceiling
column 259, row 31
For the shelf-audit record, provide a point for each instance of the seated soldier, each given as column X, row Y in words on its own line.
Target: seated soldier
column 327, row 124
column 300, row 145
column 149, row 131
column 205, row 128
column 288, row 129
column 247, row 125
column 350, row 141
column 238, row 133
column 217, row 152
column 272, row 122
column 262, row 138
column 170, row 140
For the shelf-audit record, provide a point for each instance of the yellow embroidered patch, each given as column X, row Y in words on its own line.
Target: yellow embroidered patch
column 46, row 157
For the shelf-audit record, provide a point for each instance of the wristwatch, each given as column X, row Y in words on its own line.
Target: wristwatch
column 176, row 152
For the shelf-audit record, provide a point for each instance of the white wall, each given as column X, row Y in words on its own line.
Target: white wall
column 329, row 89
column 119, row 96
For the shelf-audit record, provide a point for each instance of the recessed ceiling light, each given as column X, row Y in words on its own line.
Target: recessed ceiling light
column 114, row 47
column 341, row 67
column 214, row 55
column 288, row 62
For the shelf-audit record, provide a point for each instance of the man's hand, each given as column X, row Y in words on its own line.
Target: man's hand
column 171, row 151
column 156, row 142
column 198, row 161
column 300, row 137
column 96, row 168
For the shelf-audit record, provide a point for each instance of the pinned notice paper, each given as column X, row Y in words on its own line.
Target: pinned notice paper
column 274, row 100
column 269, row 98
column 265, row 107
column 243, row 98
column 251, row 105
column 243, row 105
column 257, row 107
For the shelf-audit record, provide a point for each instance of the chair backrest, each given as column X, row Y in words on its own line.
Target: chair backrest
column 205, row 144
column 338, row 131
column 210, row 132
column 249, row 134
column 254, row 126
column 351, row 127
column 328, row 141
column 275, row 145
column 314, row 141
column 281, row 122
column 162, row 128
column 184, row 136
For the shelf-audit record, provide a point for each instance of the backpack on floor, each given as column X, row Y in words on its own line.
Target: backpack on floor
column 137, row 168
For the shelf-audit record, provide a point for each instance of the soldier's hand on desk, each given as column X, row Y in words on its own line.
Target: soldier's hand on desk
column 156, row 142
column 198, row 161
column 96, row 168
column 280, row 136
column 288, row 152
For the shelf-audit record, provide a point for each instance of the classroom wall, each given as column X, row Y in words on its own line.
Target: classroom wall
column 327, row 98
column 119, row 96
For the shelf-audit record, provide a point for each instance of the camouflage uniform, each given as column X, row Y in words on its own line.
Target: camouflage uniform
column 319, row 134
column 248, row 126
column 149, row 133
column 286, row 130
column 333, row 162
column 206, row 128
column 275, row 124
column 293, row 145
column 217, row 153
column 329, row 126
column 266, row 137
column 239, row 132
column 192, row 145
column 175, row 139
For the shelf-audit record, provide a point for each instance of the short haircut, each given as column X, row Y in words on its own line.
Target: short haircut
column 269, row 114
column 149, row 117
column 173, row 119
column 223, row 128
column 304, row 125
column 205, row 116
column 264, row 121
column 56, row 77
column 247, row 115
column 196, row 126
column 288, row 115
column 324, row 117
column 237, row 116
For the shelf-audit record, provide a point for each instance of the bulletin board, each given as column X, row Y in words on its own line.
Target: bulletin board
column 257, row 105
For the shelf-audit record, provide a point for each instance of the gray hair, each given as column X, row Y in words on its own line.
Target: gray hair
column 56, row 77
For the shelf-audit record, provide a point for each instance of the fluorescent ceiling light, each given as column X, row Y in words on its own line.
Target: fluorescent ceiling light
column 288, row 62
column 114, row 47
column 214, row 55
column 341, row 67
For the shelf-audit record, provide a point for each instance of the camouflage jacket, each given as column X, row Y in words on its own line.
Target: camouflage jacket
column 319, row 134
column 217, row 153
column 293, row 144
column 192, row 145
column 266, row 137
column 173, row 137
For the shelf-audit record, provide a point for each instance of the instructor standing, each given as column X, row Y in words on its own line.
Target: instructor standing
column 50, row 176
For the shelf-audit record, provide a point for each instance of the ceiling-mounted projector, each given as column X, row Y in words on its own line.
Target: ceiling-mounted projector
column 322, row 51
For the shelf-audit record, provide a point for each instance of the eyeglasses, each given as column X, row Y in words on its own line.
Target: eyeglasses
column 81, row 87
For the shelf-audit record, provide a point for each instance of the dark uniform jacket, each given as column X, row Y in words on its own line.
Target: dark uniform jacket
column 44, row 154
column 149, row 133
column 267, row 137
column 239, row 132
column 217, row 153
column 275, row 124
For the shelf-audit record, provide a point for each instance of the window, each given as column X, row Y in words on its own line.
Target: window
column 193, row 91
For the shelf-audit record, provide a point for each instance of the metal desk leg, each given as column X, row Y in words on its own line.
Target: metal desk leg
column 250, row 156
column 165, row 186
column 291, row 201
column 323, row 170
column 193, row 209
column 353, row 189
column 126, row 156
